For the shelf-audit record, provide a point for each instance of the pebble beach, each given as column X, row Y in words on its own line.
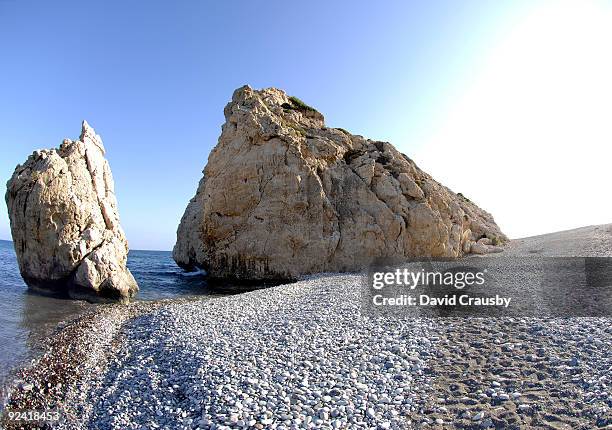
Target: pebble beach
column 304, row 355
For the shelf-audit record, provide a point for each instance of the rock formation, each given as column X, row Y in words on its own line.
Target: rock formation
column 283, row 195
column 65, row 223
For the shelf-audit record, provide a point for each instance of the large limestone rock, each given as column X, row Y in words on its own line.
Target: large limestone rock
column 65, row 223
column 283, row 195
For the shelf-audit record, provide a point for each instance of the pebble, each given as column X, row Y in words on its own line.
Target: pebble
column 480, row 415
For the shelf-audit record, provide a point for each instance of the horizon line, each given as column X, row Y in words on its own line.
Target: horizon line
column 134, row 249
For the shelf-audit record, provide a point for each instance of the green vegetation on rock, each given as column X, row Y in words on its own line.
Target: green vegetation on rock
column 464, row 197
column 299, row 105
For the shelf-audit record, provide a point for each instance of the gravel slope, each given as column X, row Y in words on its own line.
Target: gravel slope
column 591, row 241
column 303, row 355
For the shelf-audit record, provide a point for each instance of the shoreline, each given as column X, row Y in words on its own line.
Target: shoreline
column 305, row 355
column 72, row 349
column 444, row 372
column 124, row 324
column 70, row 356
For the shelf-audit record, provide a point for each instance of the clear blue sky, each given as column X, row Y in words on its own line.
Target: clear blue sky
column 153, row 77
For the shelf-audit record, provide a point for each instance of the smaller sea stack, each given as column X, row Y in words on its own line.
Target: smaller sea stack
column 65, row 223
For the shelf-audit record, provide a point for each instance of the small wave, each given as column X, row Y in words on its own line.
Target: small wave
column 200, row 272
